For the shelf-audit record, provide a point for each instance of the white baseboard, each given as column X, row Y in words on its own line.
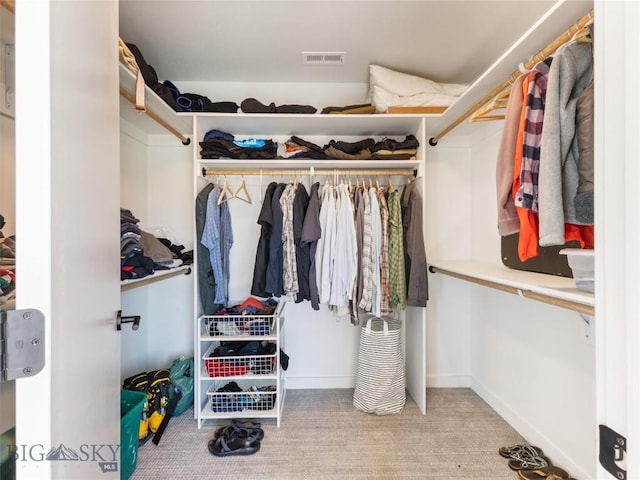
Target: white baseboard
column 527, row 430
column 433, row 381
column 298, row 383
column 448, row 381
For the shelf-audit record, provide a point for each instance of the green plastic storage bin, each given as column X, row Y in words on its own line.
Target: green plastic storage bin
column 131, row 403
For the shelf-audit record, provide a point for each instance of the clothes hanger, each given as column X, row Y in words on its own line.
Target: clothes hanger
column 582, row 35
column 225, row 189
column 390, row 186
column 498, row 103
column 242, row 188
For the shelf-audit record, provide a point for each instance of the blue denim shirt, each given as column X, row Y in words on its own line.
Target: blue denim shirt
column 217, row 236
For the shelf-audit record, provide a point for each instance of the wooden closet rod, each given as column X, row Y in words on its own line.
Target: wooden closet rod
column 9, row 5
column 541, row 297
column 154, row 115
column 406, row 172
column 540, row 56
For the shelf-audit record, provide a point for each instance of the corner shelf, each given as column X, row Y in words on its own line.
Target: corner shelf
column 554, row 290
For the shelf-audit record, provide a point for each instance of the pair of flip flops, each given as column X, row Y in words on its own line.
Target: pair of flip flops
column 524, row 457
column 239, row 438
column 531, row 464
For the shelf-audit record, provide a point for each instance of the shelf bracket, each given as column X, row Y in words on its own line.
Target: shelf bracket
column 588, row 324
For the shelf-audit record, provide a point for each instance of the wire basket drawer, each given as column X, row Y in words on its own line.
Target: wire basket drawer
column 231, row 366
column 252, row 399
column 232, row 325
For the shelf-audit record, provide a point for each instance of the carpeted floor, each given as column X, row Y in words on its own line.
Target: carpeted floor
column 322, row 436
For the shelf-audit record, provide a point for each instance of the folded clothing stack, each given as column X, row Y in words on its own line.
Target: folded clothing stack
column 219, row 144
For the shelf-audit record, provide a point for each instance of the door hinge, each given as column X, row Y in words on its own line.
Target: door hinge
column 22, row 343
column 613, row 448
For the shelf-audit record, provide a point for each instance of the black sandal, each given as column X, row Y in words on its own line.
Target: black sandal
column 235, row 445
column 241, row 429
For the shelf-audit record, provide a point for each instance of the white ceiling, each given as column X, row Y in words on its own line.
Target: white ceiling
column 261, row 41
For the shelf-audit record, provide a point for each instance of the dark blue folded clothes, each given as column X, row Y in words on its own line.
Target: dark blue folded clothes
column 352, row 148
column 220, row 148
column 251, row 105
column 214, row 134
column 167, row 95
column 239, row 349
column 192, row 102
column 410, row 142
column 136, row 266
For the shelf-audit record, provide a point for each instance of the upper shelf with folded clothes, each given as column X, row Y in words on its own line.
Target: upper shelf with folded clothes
column 218, row 144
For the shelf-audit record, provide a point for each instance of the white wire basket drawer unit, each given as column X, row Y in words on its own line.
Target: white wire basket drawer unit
column 240, row 372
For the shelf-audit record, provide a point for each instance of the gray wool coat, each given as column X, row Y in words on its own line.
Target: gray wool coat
column 558, row 179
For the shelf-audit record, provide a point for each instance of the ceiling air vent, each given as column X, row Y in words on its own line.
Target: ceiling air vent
column 323, row 58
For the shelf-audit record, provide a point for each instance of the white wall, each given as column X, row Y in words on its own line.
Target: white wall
column 448, row 233
column 156, row 185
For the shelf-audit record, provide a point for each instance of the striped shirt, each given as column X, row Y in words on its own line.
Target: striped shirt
column 367, row 261
column 385, row 306
column 217, row 236
column 289, row 264
column 527, row 194
column 397, row 284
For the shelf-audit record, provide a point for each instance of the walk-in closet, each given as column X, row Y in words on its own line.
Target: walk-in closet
column 503, row 354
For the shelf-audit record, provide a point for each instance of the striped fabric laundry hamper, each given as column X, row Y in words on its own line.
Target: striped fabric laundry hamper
column 380, row 379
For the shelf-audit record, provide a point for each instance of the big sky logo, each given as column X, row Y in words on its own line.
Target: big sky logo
column 105, row 455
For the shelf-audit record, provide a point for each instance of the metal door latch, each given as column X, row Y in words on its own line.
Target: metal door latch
column 22, row 343
column 613, row 448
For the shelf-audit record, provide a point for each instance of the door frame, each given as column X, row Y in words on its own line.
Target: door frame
column 617, row 215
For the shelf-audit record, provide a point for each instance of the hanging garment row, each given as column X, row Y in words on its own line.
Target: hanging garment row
column 356, row 250
column 545, row 159
column 219, row 144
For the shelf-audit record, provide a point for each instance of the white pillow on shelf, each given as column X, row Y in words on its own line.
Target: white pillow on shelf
column 403, row 84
